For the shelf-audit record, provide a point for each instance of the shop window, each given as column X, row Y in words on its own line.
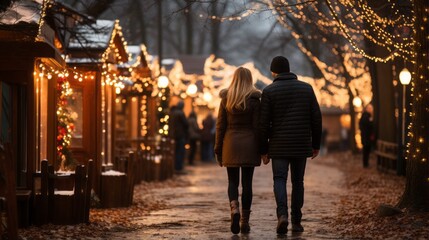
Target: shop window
column 75, row 107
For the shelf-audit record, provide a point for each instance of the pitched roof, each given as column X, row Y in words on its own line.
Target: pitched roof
column 24, row 11
column 93, row 36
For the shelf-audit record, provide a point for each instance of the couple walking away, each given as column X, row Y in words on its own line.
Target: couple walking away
column 283, row 123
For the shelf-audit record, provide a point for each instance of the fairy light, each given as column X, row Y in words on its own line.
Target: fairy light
column 346, row 32
column 42, row 20
column 112, row 48
column 234, row 17
column 65, row 118
column 65, row 123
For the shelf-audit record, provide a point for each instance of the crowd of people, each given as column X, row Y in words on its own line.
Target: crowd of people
column 188, row 136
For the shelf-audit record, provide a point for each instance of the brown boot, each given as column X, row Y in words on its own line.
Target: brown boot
column 244, row 221
column 282, row 225
column 235, row 217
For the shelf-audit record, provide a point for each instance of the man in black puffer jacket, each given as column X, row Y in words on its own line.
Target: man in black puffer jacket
column 290, row 131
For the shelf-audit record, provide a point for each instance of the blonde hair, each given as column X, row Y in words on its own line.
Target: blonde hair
column 240, row 88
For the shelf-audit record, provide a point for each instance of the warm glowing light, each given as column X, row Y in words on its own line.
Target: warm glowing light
column 162, row 82
column 357, row 102
column 405, row 76
column 192, row 89
column 207, row 96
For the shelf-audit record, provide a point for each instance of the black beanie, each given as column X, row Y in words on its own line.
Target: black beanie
column 279, row 64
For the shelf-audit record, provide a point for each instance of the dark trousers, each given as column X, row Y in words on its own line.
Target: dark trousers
column 179, row 154
column 365, row 155
column 192, row 150
column 246, row 182
column 207, row 152
column 280, row 173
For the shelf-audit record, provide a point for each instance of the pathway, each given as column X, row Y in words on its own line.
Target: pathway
column 201, row 210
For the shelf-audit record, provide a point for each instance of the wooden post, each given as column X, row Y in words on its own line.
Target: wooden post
column 6, row 169
column 90, row 173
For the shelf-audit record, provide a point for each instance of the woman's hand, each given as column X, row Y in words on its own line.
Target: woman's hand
column 265, row 159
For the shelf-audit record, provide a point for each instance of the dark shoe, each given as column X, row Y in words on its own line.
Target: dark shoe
column 235, row 217
column 244, row 221
column 282, row 225
column 297, row 227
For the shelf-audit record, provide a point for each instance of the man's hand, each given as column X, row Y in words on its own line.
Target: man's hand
column 315, row 153
column 265, row 159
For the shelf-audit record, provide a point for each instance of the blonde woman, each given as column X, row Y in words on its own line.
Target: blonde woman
column 236, row 145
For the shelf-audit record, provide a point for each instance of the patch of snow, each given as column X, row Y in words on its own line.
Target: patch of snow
column 112, row 173
column 94, row 36
column 64, row 192
column 22, row 11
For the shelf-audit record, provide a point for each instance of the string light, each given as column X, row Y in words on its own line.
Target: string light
column 45, row 4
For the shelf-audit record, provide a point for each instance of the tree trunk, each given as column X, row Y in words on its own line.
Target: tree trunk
column 215, row 30
column 142, row 20
column 160, row 40
column 416, row 194
column 189, row 28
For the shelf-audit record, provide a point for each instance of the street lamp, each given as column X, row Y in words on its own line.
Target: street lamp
column 405, row 79
column 357, row 104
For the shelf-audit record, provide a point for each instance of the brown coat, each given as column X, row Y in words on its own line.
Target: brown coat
column 237, row 134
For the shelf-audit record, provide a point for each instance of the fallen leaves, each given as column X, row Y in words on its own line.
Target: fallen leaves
column 366, row 190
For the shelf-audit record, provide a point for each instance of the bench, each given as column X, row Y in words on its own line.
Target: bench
column 387, row 156
column 62, row 198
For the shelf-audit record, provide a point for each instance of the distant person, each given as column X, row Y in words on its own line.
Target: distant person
column 366, row 126
column 323, row 142
column 194, row 133
column 207, row 133
column 345, row 141
column 178, row 130
column 237, row 144
column 291, row 129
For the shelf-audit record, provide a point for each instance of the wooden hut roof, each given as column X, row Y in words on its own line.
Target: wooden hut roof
column 91, row 41
column 23, row 33
column 24, row 11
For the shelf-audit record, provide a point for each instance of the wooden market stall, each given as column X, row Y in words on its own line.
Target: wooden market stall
column 137, row 119
column 31, row 68
column 28, row 57
column 94, row 52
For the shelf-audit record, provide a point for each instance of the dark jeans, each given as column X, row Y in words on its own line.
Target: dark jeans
column 192, row 150
column 207, row 152
column 365, row 154
column 280, row 173
column 246, row 182
column 179, row 154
